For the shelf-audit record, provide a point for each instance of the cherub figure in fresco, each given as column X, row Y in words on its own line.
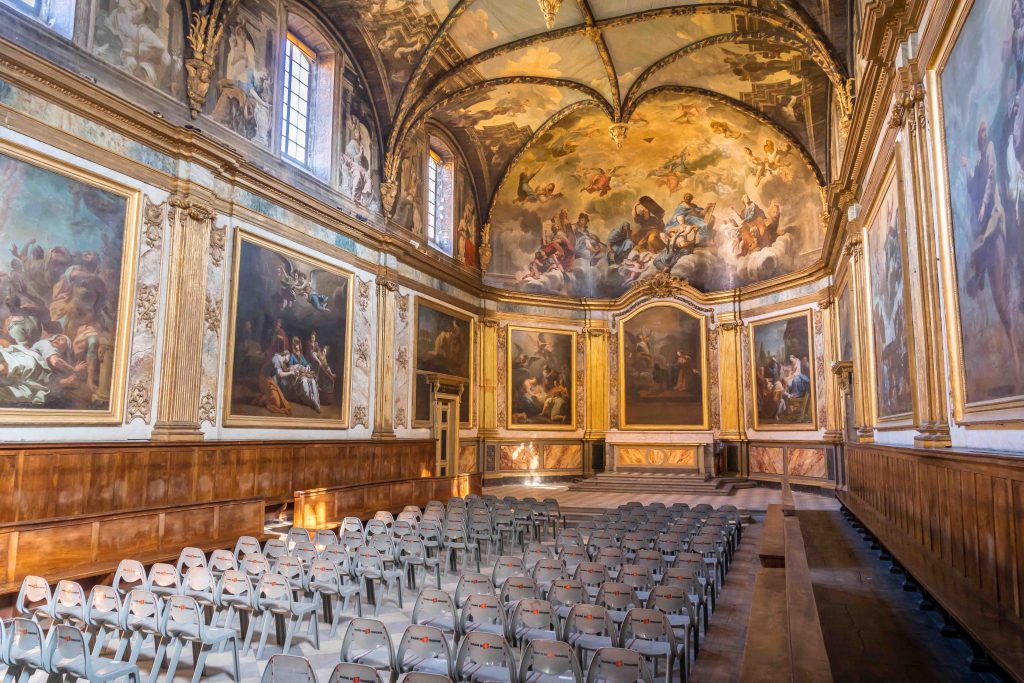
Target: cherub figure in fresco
column 635, row 266
column 601, row 181
column 546, row 193
column 725, row 130
column 674, row 171
column 774, row 161
column 524, row 191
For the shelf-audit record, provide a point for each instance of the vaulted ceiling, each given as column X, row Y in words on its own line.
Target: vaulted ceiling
column 495, row 72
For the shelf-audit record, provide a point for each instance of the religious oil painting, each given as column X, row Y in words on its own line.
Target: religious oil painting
column 466, row 219
column 696, row 189
column 782, row 355
column 846, row 326
column 541, row 367
column 885, row 255
column 65, row 291
column 662, row 364
column 143, row 38
column 242, row 93
column 444, row 346
column 288, row 355
column 360, row 160
column 982, row 86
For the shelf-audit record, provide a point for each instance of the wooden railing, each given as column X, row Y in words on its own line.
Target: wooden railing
column 955, row 521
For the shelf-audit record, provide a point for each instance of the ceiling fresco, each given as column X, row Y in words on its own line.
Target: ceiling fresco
column 497, row 73
column 699, row 189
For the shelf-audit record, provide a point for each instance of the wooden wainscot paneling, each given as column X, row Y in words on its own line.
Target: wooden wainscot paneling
column 955, row 521
column 92, row 545
column 325, row 508
column 53, row 481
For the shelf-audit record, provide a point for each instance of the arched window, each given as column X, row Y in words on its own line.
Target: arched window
column 440, row 199
column 307, row 109
column 59, row 15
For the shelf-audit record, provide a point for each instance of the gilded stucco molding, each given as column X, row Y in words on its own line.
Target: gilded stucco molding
column 139, row 402
column 207, row 20
column 147, row 299
column 218, row 242
column 153, row 223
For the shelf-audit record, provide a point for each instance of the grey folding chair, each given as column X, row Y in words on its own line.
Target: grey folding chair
column 142, row 618
column 274, row 598
column 246, row 545
column 423, row 649
column 367, row 641
column 325, row 578
column 435, row 608
column 235, row 594
column 649, row 633
column 616, row 665
column 288, row 669
column 346, row 672
column 183, row 623
column 482, row 613
column 188, row 558
column 164, row 580
column 69, row 605
column 67, row 655
column 472, row 584
column 103, row 612
column 34, row 598
column 588, row 628
column 23, row 649
column 485, row 657
column 549, row 661
column 533, row 619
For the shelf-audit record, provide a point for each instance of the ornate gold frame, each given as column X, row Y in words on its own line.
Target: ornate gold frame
column 232, row 420
column 1006, row 411
column 122, row 344
column 470, row 394
column 813, row 426
column 893, row 174
column 569, row 426
column 702, row 319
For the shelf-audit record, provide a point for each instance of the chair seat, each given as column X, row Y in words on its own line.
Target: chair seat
column 650, row 648
column 442, row 623
column 586, row 641
column 525, row 635
column 282, row 607
column 430, row 665
column 110, row 669
column 535, row 677
column 376, row 658
column 484, row 627
column 488, row 674
column 197, row 632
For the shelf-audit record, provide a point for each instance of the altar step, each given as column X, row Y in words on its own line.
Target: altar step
column 661, row 482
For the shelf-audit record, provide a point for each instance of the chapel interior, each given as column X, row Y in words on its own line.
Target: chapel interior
column 511, row 341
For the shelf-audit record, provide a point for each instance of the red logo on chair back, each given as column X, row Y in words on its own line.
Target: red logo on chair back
column 619, row 663
column 486, row 646
column 425, row 639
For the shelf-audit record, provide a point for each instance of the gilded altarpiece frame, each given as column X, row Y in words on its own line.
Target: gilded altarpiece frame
column 112, row 364
column 991, row 411
column 810, row 403
column 564, row 366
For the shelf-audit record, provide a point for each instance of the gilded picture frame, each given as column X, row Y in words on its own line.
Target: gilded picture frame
column 633, row 425
column 468, row 393
column 892, row 180
column 123, row 323
column 1006, row 411
column 759, row 424
column 570, row 425
column 233, row 419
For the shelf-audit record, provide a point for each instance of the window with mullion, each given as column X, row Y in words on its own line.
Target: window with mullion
column 297, row 90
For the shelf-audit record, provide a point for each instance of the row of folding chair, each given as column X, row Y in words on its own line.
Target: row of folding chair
column 64, row 652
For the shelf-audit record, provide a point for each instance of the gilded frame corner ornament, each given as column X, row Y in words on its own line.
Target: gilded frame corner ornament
column 619, row 349
column 571, row 425
column 126, row 304
column 981, row 414
column 751, row 340
column 232, row 420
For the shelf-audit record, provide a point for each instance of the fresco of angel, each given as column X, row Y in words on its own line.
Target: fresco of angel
column 773, row 161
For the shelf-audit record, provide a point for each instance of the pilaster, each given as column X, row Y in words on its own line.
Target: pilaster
column 384, row 382
column 489, row 378
column 730, row 368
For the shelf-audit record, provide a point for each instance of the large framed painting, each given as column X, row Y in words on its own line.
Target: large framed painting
column 977, row 83
column 541, row 368
column 443, row 346
column 886, row 256
column 65, row 291
column 289, row 340
column 663, row 368
column 782, row 373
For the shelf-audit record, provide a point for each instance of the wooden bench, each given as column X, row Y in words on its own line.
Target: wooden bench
column 325, row 508
column 766, row 653
column 773, row 540
column 93, row 545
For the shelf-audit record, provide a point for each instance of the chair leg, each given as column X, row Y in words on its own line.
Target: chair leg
column 264, row 632
column 172, row 662
column 288, row 632
column 136, row 645
column 201, row 664
column 101, row 635
column 234, row 660
column 158, row 661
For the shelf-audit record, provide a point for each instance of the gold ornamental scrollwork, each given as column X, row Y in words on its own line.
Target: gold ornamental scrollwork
column 485, row 247
column 363, row 293
column 218, row 242
column 153, row 223
column 207, row 19
column 208, row 408
column 139, row 401
column 212, row 315
column 146, row 301
column 388, row 193
column 661, row 285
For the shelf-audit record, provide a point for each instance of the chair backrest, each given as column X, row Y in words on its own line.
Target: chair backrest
column 323, row 573
column 141, row 609
column 411, row 548
column 568, row 537
column 435, row 606
column 273, row 590
column 221, row 561
column 651, row 559
column 25, row 643
column 637, row 576
column 366, row 636
column 591, row 573
column 340, row 557
column 600, row 538
column 617, row 596
column 352, row 540
column 182, row 615
column 376, row 527
column 472, row 584
column 550, row 658
column 352, row 524
column 305, row 551
column 66, row 652
column 235, row 586
column 592, row 620
column 275, row 548
column 483, row 609
column 646, row 624
column 188, row 558
column 130, row 574
column 34, row 597
column 164, row 578
column 483, row 649
column 566, row 592
column 104, row 604
column 423, row 642
column 383, row 544
column 616, row 665
column 670, row 600
column 323, row 538
column 369, row 560
column 288, row 669
column 347, row 672
column 291, row 568
column 385, row 516
column 198, row 583
column 536, row 614
column 245, row 546
column 255, row 565
column 68, row 603
column 611, row 557
column 548, row 570
column 402, row 528
column 297, row 535
column 518, row 588
column 572, row 555
column 535, row 552
column 506, row 566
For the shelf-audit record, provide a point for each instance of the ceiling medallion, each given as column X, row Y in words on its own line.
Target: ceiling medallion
column 550, row 9
column 618, row 132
